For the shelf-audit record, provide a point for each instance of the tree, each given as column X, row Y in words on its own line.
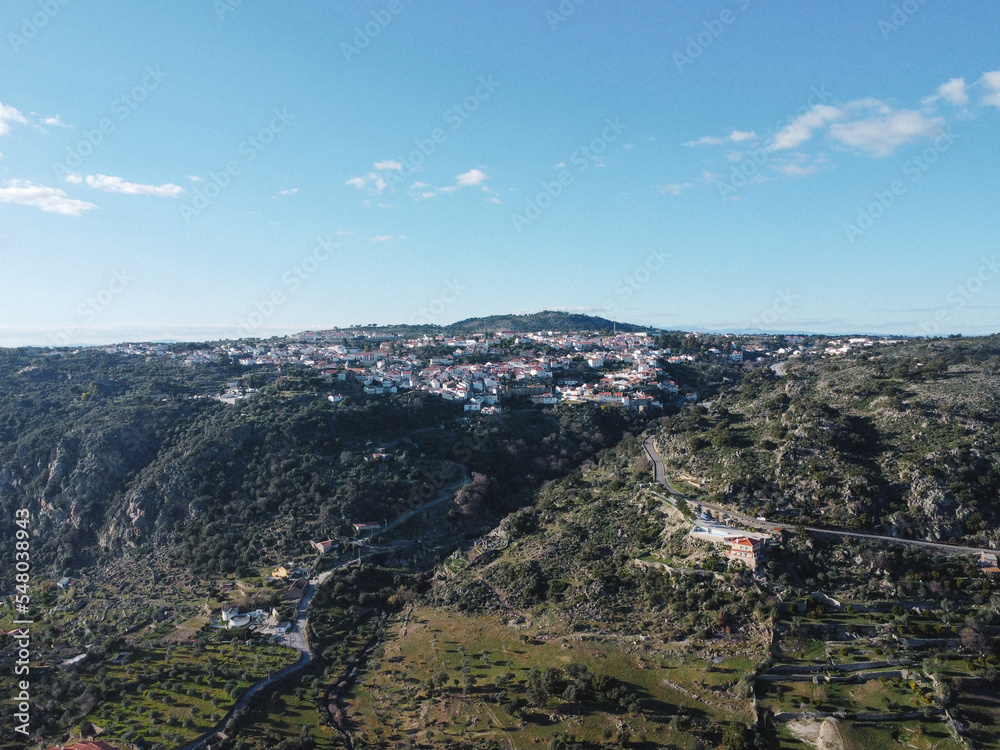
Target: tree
column 737, row 737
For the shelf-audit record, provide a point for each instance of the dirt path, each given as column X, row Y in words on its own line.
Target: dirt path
column 829, row 736
column 499, row 726
column 336, row 704
column 499, row 596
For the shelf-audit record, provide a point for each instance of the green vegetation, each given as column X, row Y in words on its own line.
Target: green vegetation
column 531, row 589
column 897, row 439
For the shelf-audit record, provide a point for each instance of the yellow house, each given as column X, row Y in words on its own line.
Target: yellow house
column 281, row 572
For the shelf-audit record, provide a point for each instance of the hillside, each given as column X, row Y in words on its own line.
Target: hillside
column 103, row 468
column 532, row 587
column 595, row 619
column 547, row 320
column 556, row 633
column 902, row 440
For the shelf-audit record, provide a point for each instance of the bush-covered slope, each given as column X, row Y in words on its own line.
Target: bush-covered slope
column 102, row 467
column 901, row 439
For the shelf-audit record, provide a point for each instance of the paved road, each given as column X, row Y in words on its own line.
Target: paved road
column 660, row 477
column 304, row 658
column 296, row 637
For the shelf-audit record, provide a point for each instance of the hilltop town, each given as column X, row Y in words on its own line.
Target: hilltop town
column 482, row 370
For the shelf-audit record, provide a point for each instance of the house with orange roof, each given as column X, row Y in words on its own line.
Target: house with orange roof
column 746, row 549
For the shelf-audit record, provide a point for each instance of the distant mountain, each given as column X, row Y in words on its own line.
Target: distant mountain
column 547, row 320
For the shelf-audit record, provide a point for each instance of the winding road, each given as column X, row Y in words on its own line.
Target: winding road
column 296, row 637
column 660, row 477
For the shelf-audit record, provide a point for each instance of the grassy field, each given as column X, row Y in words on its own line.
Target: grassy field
column 170, row 696
column 928, row 675
column 289, row 716
column 480, row 670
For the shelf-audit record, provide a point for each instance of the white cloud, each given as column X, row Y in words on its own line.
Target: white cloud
column 8, row 115
column 705, row 140
column 389, row 164
column 291, row 191
column 48, row 199
column 195, row 178
column 953, row 92
column 472, row 177
column 737, row 136
column 372, row 182
column 791, row 169
column 866, row 125
column 801, row 129
column 991, row 82
column 674, row 188
column 118, row 185
column 798, row 165
column 884, row 133
column 55, row 122
column 494, row 199
column 387, row 237
column 74, row 178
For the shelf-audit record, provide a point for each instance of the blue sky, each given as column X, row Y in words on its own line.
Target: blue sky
column 220, row 168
